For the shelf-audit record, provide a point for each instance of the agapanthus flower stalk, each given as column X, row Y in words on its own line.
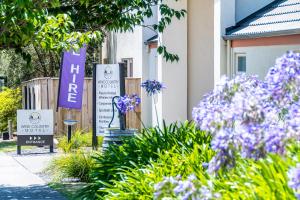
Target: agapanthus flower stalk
column 153, row 87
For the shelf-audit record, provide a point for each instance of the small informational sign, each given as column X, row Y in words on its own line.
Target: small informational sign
column 72, row 79
column 108, row 84
column 35, row 127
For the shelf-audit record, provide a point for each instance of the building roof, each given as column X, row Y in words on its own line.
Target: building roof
column 281, row 17
column 154, row 39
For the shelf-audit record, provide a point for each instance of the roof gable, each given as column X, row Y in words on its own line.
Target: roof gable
column 281, row 17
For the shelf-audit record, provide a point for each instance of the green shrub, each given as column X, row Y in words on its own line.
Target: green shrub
column 77, row 161
column 140, row 151
column 76, row 165
column 263, row 179
column 138, row 183
column 79, row 139
column 249, row 179
column 10, row 102
column 131, row 171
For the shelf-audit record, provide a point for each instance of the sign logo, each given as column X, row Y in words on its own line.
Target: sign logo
column 35, row 118
column 108, row 72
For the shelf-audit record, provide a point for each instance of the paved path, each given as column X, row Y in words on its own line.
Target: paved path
column 18, row 179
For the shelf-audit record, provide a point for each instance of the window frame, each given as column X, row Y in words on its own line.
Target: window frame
column 129, row 66
column 236, row 63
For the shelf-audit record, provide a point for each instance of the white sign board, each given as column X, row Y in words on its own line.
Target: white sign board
column 35, row 122
column 107, row 87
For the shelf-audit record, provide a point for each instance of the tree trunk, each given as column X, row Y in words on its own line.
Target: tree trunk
column 41, row 61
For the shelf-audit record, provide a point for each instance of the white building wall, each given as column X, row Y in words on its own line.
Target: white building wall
column 260, row 58
column 149, row 68
column 200, row 50
column 197, row 39
column 173, row 104
column 153, row 75
column 129, row 45
column 224, row 16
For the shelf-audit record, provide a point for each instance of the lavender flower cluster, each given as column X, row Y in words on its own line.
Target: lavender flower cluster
column 294, row 180
column 128, row 103
column 283, row 79
column 153, row 87
column 250, row 117
column 184, row 190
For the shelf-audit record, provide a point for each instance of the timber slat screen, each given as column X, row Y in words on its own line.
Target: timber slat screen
column 133, row 86
column 41, row 93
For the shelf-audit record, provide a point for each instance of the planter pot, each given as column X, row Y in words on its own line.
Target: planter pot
column 116, row 136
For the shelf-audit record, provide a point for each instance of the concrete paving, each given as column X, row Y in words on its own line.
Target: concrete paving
column 19, row 179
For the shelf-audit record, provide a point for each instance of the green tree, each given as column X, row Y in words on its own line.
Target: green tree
column 10, row 101
column 33, row 33
column 62, row 24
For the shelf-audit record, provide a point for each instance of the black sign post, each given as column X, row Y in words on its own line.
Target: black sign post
column 94, row 138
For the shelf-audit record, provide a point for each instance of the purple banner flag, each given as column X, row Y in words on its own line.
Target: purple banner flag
column 72, row 79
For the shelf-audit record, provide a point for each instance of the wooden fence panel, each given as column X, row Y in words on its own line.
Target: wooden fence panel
column 46, row 91
column 133, row 86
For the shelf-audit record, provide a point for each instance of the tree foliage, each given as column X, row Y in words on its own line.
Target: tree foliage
column 33, row 33
column 10, row 101
column 63, row 24
column 34, row 61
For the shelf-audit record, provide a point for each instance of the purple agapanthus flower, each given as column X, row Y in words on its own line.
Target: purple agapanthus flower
column 128, row 103
column 250, row 117
column 184, row 189
column 283, row 79
column 153, row 87
column 294, row 179
column 275, row 139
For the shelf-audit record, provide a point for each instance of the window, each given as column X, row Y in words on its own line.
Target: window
column 241, row 63
column 129, row 66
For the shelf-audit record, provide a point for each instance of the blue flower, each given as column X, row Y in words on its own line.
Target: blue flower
column 275, row 139
column 283, row 79
column 153, row 87
column 250, row 117
column 128, row 103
